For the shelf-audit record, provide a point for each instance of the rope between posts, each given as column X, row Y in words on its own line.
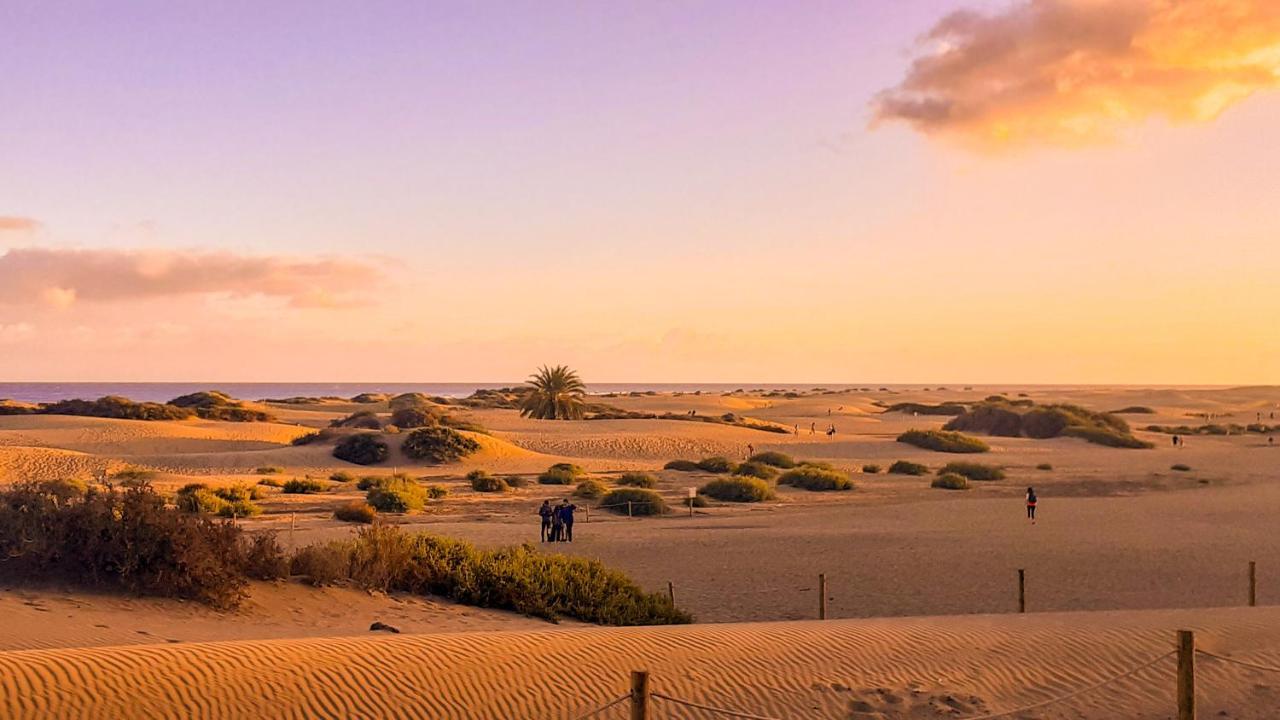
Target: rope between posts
column 1242, row 663
column 604, row 707
column 1081, row 691
column 722, row 711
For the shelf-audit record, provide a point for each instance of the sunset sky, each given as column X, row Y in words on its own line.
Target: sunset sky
column 1059, row 191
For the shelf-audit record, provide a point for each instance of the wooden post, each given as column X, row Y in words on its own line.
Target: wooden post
column 628, row 508
column 292, row 521
column 639, row 695
column 822, row 596
column 1253, row 583
column 587, row 510
column 1022, row 590
column 1186, row 675
column 671, row 593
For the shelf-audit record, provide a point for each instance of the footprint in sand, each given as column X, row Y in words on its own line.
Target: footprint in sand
column 883, row 703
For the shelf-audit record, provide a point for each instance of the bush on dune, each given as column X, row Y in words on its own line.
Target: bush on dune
column 217, row 405
column 438, row 445
column 871, row 469
column 482, row 481
column 812, row 477
column 557, row 477
column 638, row 479
column 717, row 464
column 362, row 420
column 356, row 511
column 774, row 459
column 943, row 441
column 973, row 471
column 342, row 476
column 946, row 408
column 755, row 469
column 951, row 481
column 415, row 416
column 999, row 416
column 303, row 486
column 397, row 495
column 362, row 449
column 682, row 466
column 640, row 500
column 738, row 489
column 116, row 407
column 590, row 489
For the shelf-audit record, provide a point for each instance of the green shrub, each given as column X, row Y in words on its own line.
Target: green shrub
column 755, row 469
column 1180, row 467
column 126, row 539
column 198, row 498
column 270, row 482
column 397, row 495
column 590, row 489
column 738, row 489
column 237, row 493
column 342, row 476
column 1134, row 410
column 362, row 420
column 682, row 466
column 64, row 489
column 643, row 502
column 133, row 475
column 556, row 477
column 1000, row 416
column 515, row 481
column 409, row 400
column 951, row 481
column 305, row 439
column 810, row 477
column 697, row 501
column 114, row 406
column 438, row 445
column 1044, row 466
column 871, row 469
column 943, row 441
column 303, row 486
column 973, row 471
column 355, row 511
column 905, row 467
column 1108, row 437
column 268, row 470
column 574, row 470
column 638, row 479
column 774, row 458
column 362, row 449
column 367, row 482
column 437, row 492
column 716, row 464
column 415, row 417
column 321, row 565
column 482, row 481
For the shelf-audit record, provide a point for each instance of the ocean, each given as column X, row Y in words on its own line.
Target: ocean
column 162, row 392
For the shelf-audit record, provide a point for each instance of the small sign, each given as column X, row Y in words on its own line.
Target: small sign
column 693, row 492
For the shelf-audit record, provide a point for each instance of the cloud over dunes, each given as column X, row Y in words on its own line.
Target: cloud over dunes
column 65, row 277
column 1072, row 71
column 10, row 223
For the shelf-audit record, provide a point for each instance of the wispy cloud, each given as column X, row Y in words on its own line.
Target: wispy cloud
column 1078, row 71
column 65, row 277
column 12, row 223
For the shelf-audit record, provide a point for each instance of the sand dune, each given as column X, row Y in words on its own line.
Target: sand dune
column 904, row 668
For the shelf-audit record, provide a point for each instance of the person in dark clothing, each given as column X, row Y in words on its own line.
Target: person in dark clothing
column 565, row 511
column 557, row 525
column 1031, row 504
column 546, row 511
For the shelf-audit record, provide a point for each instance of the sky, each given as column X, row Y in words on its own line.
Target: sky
column 1052, row 191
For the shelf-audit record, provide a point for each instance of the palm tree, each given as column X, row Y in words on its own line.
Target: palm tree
column 556, row 395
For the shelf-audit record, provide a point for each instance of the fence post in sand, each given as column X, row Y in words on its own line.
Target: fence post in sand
column 639, row 695
column 1022, row 590
column 1186, row 675
column 292, row 521
column 671, row 593
column 822, row 596
column 1253, row 583
column 628, row 508
column 587, row 510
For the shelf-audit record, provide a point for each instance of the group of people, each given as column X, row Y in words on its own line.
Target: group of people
column 557, row 521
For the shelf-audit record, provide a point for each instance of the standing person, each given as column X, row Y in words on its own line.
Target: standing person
column 1175, row 441
column 557, row 524
column 546, row 511
column 751, row 450
column 566, row 519
column 1031, row 505
column 813, row 428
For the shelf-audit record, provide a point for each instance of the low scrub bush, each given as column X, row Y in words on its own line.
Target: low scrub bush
column 437, row 492
column 871, row 469
column 590, row 489
column 1180, row 467
column 572, row 469
column 811, row 477
column 1134, row 410
column 305, row 439
column 973, row 471
column 303, row 486
column 482, row 481
column 1044, row 466
column 132, row 476
column 270, row 482
column 752, row 468
column 397, row 495
column 362, row 449
column 943, row 441
column 555, row 476
column 438, row 445
column 356, row 511
column 415, row 417
column 951, row 481
column 774, row 458
column 120, row 408
column 362, row 420
column 515, row 481
column 638, row 479
column 642, row 501
column 1107, row 436
column 716, row 464
column 342, row 476
column 738, row 489
column 268, row 470
column 682, row 466
column 906, row 467
column 697, row 501
column 230, row 502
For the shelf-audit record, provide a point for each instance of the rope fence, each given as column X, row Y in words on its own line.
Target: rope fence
column 640, row 698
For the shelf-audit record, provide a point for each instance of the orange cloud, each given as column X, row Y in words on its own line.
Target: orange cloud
column 18, row 224
column 63, row 277
column 1078, row 71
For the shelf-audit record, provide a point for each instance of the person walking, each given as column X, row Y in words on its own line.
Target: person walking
column 566, row 519
column 545, row 512
column 813, row 428
column 557, row 524
column 751, row 450
column 1031, row 505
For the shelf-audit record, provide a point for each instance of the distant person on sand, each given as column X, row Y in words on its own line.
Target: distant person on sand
column 751, row 449
column 557, row 524
column 813, row 428
column 831, row 431
column 546, row 511
column 1031, row 505
column 565, row 511
column 797, row 428
column 1175, row 441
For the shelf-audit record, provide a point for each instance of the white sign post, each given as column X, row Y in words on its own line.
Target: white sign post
column 693, row 493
